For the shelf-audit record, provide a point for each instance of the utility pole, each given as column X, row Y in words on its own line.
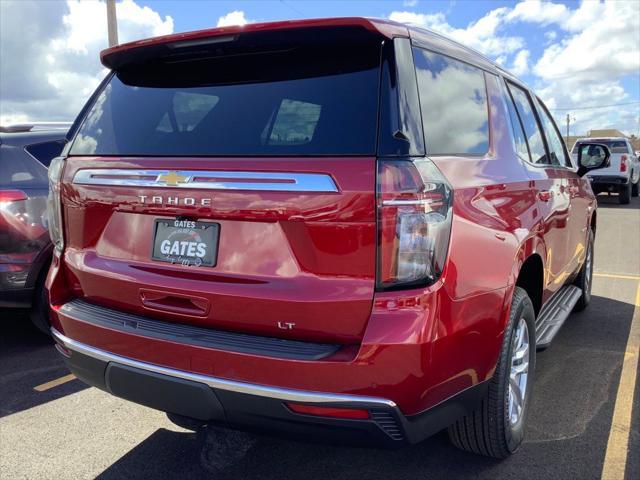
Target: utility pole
column 568, row 121
column 112, row 23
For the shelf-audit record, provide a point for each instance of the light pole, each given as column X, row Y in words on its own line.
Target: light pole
column 112, row 23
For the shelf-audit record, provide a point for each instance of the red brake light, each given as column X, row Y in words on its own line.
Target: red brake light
column 414, row 223
column 623, row 163
column 336, row 412
column 12, row 195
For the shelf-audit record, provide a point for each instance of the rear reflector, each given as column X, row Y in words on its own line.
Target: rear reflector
column 352, row 413
column 12, row 195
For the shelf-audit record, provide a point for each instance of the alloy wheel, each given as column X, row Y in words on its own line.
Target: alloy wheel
column 519, row 374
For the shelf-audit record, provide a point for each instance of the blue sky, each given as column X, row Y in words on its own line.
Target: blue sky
column 574, row 54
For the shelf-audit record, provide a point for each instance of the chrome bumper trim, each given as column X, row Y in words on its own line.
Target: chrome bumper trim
column 229, row 385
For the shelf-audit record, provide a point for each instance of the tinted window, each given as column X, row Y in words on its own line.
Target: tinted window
column 527, row 116
column 291, row 102
column 556, row 144
column 294, row 124
column 615, row 146
column 453, row 100
column 19, row 170
column 519, row 137
column 44, row 152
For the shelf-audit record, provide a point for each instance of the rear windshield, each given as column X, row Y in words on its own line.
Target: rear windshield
column 297, row 101
column 615, row 146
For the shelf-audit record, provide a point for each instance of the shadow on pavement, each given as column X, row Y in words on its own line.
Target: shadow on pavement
column 569, row 424
column 28, row 359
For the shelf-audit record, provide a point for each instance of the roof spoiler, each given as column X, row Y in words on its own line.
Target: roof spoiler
column 175, row 44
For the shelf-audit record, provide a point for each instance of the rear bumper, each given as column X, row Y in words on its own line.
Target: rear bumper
column 604, row 180
column 16, row 298
column 255, row 407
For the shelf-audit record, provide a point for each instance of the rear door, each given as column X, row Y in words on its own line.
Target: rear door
column 581, row 201
column 551, row 184
column 232, row 191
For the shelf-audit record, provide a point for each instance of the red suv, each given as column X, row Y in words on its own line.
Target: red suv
column 343, row 228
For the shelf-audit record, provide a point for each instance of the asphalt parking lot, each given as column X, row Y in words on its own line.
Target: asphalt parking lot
column 53, row 426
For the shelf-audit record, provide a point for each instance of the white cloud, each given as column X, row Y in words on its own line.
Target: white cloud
column 550, row 36
column 521, row 63
column 410, row 3
column 233, row 18
column 49, row 69
column 483, row 34
column 538, row 12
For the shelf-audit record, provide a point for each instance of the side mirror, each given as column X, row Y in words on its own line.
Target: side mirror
column 592, row 156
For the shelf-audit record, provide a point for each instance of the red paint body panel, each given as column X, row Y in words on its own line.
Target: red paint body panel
column 280, row 253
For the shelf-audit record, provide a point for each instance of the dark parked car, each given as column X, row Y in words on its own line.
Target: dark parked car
column 25, row 247
column 342, row 228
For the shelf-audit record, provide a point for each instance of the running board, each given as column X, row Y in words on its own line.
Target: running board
column 554, row 314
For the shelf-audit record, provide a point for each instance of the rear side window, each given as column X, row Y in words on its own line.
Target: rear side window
column 556, row 144
column 44, row 152
column 527, row 116
column 453, row 100
column 518, row 132
column 294, row 101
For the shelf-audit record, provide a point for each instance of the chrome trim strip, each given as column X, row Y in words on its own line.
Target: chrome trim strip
column 406, row 202
column 222, row 384
column 265, row 181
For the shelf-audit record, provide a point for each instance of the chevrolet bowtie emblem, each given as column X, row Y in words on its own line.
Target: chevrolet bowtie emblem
column 172, row 178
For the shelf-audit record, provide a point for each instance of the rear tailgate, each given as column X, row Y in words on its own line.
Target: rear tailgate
column 277, row 149
column 298, row 260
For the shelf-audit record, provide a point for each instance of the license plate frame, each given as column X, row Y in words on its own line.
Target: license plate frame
column 188, row 228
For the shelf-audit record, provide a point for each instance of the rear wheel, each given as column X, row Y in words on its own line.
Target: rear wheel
column 635, row 188
column 585, row 277
column 496, row 429
column 625, row 194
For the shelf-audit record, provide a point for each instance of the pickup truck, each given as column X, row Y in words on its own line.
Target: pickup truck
column 623, row 176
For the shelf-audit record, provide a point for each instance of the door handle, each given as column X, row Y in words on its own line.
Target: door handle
column 545, row 195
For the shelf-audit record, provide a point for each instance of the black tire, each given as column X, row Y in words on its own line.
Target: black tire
column 635, row 188
column 584, row 280
column 488, row 430
column 39, row 313
column 625, row 194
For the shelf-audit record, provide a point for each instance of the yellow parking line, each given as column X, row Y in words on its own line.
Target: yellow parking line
column 615, row 459
column 54, row 383
column 615, row 275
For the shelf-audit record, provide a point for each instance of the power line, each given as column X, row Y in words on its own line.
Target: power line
column 295, row 9
column 597, row 106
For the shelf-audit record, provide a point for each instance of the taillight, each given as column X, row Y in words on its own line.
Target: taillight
column 54, row 208
column 623, row 163
column 12, row 196
column 414, row 223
